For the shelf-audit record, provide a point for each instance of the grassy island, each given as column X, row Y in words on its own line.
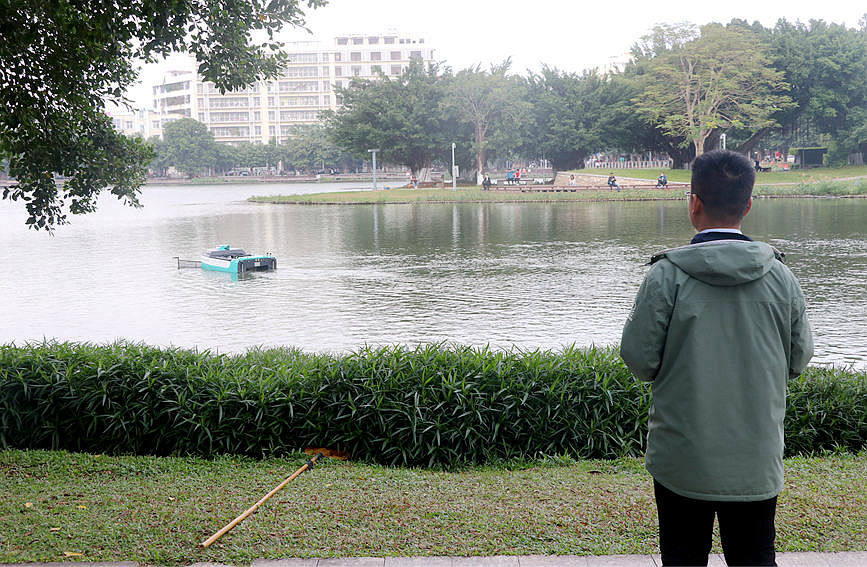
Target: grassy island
column 842, row 182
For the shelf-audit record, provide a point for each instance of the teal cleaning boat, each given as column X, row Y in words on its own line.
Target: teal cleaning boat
column 236, row 260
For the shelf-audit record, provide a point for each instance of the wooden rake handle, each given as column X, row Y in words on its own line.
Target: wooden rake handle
column 308, row 465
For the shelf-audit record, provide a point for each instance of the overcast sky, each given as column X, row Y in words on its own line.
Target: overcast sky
column 560, row 33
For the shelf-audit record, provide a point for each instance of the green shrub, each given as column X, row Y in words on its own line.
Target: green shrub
column 431, row 405
column 827, row 411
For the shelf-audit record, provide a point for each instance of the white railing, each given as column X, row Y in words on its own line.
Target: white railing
column 630, row 164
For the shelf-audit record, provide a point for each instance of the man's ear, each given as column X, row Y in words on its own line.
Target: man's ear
column 749, row 206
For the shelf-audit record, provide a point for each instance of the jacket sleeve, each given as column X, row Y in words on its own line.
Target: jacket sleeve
column 802, row 336
column 643, row 341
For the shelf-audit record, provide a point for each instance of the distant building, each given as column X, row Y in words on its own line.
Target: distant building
column 271, row 109
column 615, row 64
column 144, row 122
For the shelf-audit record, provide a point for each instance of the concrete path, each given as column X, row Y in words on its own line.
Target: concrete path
column 843, row 559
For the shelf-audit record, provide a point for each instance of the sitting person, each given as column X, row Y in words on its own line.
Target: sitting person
column 486, row 183
column 612, row 182
column 662, row 180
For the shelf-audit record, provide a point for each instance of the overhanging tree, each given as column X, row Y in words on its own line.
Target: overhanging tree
column 699, row 81
column 61, row 62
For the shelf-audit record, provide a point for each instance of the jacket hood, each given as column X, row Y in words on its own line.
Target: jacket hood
column 723, row 262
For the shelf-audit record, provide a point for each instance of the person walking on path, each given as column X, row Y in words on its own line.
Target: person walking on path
column 718, row 327
column 612, row 182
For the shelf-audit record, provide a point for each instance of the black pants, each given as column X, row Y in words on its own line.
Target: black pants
column 686, row 525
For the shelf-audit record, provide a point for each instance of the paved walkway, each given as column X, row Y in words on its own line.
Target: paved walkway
column 843, row 559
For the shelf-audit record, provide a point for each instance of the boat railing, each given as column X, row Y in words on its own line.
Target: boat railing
column 188, row 263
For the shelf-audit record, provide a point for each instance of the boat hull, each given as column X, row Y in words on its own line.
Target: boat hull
column 239, row 265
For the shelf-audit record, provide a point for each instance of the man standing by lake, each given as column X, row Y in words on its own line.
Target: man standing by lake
column 718, row 327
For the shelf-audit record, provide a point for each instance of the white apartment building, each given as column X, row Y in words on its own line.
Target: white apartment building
column 271, row 109
column 144, row 122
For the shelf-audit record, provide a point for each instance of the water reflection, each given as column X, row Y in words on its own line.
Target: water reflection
column 531, row 275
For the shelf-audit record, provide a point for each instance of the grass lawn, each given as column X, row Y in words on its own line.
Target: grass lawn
column 58, row 506
column 793, row 176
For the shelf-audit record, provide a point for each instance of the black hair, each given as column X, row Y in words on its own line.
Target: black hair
column 723, row 180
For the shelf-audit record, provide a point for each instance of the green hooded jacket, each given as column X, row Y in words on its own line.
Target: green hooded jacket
column 718, row 328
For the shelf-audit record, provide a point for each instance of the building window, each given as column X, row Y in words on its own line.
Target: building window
column 395, row 55
column 356, row 70
column 342, row 41
column 373, row 40
column 338, row 57
column 375, row 56
column 325, row 58
column 388, row 40
column 415, row 54
column 357, row 40
column 395, row 69
column 271, row 115
column 374, row 69
column 338, row 71
column 355, row 56
column 230, row 131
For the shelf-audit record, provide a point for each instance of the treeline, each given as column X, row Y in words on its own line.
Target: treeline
column 423, row 406
column 189, row 147
column 792, row 85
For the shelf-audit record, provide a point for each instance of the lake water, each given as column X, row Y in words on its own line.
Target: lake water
column 527, row 274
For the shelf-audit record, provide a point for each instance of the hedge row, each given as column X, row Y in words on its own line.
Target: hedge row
column 431, row 405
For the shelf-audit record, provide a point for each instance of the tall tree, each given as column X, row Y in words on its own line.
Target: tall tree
column 400, row 116
column 572, row 115
column 61, row 62
column 310, row 148
column 189, row 146
column 493, row 103
column 699, row 81
column 826, row 64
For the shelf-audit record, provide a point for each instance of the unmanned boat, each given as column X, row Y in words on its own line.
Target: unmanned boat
column 236, row 260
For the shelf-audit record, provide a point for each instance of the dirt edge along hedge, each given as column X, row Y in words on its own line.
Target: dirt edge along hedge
column 433, row 405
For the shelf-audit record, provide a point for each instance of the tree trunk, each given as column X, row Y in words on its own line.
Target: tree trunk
column 747, row 147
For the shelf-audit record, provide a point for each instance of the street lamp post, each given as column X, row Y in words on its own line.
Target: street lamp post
column 454, row 180
column 722, row 141
column 373, row 151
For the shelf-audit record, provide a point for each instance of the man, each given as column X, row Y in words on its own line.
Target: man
column 718, row 327
column 486, row 183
